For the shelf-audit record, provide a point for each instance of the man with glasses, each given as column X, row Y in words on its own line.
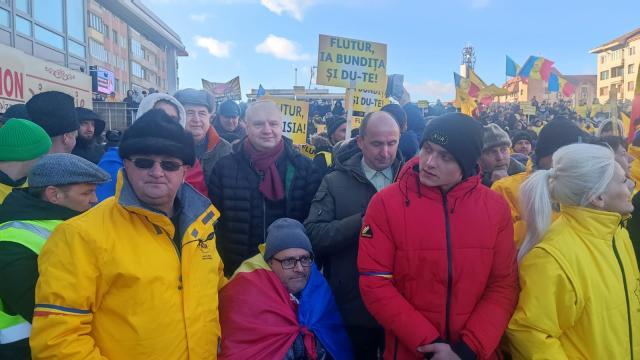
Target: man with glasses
column 278, row 305
column 138, row 275
column 200, row 106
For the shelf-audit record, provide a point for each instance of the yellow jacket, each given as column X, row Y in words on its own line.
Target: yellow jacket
column 634, row 151
column 580, row 295
column 6, row 189
column 509, row 188
column 114, row 285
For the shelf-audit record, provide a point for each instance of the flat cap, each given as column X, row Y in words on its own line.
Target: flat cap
column 65, row 169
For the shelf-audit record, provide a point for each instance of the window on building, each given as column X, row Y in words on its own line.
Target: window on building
column 114, row 36
column 616, row 55
column 23, row 26
column 98, row 51
column 603, row 58
column 49, row 13
column 137, row 70
column 75, row 19
column 631, row 85
column 49, row 37
column 96, row 22
column 76, row 49
column 23, row 5
column 604, row 75
column 617, row 71
column 632, row 50
column 631, row 68
column 5, row 18
column 136, row 49
column 604, row 91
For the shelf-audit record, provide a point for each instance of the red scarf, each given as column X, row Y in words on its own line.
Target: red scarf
column 265, row 164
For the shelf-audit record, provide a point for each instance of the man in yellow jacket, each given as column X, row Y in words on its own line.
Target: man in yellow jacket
column 137, row 276
column 553, row 136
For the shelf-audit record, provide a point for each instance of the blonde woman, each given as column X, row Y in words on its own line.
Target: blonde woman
column 580, row 295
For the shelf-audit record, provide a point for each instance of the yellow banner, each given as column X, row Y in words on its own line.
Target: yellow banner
column 352, row 64
column 366, row 101
column 22, row 76
column 308, row 150
column 423, row 104
column 294, row 118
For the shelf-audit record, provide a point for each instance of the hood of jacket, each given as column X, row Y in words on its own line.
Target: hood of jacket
column 20, row 205
column 150, row 101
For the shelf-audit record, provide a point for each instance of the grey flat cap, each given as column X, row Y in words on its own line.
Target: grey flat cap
column 65, row 169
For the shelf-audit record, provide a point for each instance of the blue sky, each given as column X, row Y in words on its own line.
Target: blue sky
column 263, row 41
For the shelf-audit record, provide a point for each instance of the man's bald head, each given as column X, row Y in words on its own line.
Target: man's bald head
column 378, row 119
column 379, row 138
column 264, row 124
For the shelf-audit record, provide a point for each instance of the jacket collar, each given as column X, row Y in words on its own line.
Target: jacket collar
column 592, row 223
column 212, row 138
column 353, row 166
column 193, row 205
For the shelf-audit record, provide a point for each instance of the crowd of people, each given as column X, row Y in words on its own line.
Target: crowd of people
column 202, row 232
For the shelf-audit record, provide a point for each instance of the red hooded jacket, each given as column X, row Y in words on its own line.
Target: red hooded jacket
column 437, row 266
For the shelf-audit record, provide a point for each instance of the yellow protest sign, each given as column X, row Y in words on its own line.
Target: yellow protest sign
column 366, row 101
column 582, row 110
column 423, row 104
column 352, row 64
column 294, row 118
column 308, row 151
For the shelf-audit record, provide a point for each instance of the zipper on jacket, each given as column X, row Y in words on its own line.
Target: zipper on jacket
column 447, row 326
column 626, row 295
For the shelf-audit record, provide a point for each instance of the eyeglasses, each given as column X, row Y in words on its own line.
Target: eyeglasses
column 166, row 165
column 290, row 263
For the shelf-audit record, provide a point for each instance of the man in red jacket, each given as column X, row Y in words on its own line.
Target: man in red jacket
column 437, row 260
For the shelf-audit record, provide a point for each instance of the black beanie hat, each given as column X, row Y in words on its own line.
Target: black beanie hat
column 16, row 111
column 54, row 111
column 460, row 135
column 522, row 135
column 333, row 123
column 556, row 134
column 156, row 133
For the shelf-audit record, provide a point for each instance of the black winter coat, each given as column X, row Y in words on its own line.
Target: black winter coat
column 333, row 226
column 245, row 213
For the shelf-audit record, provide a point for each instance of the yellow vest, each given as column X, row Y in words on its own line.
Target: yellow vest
column 580, row 292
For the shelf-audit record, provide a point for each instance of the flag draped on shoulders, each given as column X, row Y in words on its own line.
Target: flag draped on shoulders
column 261, row 320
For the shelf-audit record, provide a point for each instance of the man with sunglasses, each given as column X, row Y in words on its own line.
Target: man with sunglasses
column 144, row 273
column 278, row 305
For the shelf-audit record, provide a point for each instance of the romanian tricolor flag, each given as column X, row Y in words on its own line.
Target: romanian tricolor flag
column 537, row 68
column 559, row 83
column 512, row 67
column 261, row 320
column 635, row 108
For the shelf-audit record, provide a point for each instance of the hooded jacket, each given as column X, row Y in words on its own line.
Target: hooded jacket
column 149, row 101
column 7, row 184
column 91, row 149
column 130, row 292
column 246, row 215
column 438, row 266
column 580, row 295
column 333, row 226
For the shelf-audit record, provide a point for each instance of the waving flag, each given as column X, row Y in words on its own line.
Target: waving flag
column 512, row 67
column 566, row 86
column 261, row 320
column 554, row 83
column 537, row 68
column 464, row 100
column 261, row 92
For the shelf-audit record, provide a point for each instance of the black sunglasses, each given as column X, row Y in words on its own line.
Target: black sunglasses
column 166, row 165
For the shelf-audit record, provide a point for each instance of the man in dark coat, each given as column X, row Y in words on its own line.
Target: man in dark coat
column 87, row 143
column 335, row 220
column 264, row 179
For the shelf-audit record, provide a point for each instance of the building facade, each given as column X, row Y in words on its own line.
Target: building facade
column 618, row 61
column 127, row 39
column 524, row 90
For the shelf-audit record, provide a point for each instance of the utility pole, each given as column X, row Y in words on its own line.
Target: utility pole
column 296, row 79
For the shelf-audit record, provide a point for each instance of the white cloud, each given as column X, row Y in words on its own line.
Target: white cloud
column 431, row 90
column 281, row 48
column 480, row 4
column 295, row 8
column 199, row 17
column 217, row 48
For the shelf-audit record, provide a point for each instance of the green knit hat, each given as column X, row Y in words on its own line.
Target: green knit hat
column 22, row 140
